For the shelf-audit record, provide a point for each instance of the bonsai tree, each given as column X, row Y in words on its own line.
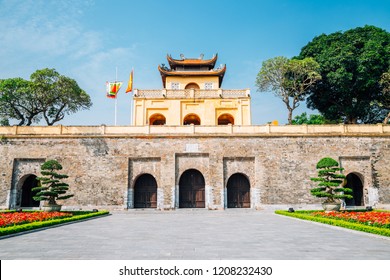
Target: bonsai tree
column 330, row 178
column 50, row 187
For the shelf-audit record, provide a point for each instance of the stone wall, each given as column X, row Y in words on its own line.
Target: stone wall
column 102, row 169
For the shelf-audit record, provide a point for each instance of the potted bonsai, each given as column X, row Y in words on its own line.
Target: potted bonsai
column 330, row 179
column 50, row 187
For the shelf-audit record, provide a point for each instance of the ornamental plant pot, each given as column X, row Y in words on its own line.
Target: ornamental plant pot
column 51, row 207
column 331, row 206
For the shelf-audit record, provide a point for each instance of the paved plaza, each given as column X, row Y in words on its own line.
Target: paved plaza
column 195, row 234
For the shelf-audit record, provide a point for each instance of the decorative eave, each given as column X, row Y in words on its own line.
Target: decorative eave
column 192, row 61
column 220, row 72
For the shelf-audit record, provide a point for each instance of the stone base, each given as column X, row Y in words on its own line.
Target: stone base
column 51, row 208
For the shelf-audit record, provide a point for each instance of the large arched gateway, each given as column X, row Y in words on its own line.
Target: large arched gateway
column 145, row 192
column 355, row 183
column 238, row 191
column 28, row 183
column 192, row 189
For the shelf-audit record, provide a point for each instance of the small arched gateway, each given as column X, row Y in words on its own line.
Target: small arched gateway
column 191, row 119
column 28, row 182
column 192, row 189
column 238, row 191
column 225, row 119
column 355, row 183
column 145, row 192
column 157, row 119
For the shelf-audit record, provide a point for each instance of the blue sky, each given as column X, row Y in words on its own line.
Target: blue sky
column 87, row 40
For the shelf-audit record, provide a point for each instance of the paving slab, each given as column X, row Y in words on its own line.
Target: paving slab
column 195, row 234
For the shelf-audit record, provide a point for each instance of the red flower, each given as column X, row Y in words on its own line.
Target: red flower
column 17, row 218
column 381, row 219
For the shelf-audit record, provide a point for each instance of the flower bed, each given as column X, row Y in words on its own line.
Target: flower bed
column 376, row 222
column 18, row 218
column 30, row 220
column 378, row 219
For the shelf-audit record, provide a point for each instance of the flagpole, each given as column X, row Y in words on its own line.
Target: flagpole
column 131, row 100
column 116, row 96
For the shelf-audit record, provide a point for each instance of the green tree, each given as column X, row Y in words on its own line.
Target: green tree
column 312, row 119
column 47, row 95
column 330, row 178
column 288, row 79
column 51, row 188
column 385, row 83
column 351, row 66
column 17, row 101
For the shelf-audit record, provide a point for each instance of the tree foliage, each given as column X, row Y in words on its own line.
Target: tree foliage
column 47, row 95
column 289, row 79
column 311, row 119
column 385, row 104
column 51, row 188
column 305, row 119
column 329, row 180
column 351, row 66
column 17, row 101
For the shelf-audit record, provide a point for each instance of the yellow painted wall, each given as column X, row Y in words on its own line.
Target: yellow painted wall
column 208, row 110
column 175, row 110
column 183, row 81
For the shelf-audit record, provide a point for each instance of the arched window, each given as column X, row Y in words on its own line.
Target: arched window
column 28, row 183
column 145, row 192
column 192, row 189
column 238, row 191
column 225, row 119
column 157, row 119
column 192, row 86
column 191, row 119
column 355, row 183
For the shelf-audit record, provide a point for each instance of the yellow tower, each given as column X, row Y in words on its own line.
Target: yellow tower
column 192, row 94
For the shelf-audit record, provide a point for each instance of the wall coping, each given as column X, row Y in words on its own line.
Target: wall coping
column 361, row 130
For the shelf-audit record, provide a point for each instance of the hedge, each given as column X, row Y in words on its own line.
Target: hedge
column 79, row 215
column 304, row 215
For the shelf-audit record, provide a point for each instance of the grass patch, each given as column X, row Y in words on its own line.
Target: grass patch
column 76, row 216
column 308, row 215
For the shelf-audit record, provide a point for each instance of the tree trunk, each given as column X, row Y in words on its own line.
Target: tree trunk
column 351, row 120
column 387, row 119
column 290, row 111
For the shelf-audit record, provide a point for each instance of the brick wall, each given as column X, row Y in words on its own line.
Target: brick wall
column 102, row 169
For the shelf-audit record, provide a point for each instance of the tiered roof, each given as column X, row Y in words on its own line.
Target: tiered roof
column 192, row 61
column 185, row 67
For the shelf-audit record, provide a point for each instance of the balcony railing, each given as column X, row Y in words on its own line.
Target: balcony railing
column 191, row 93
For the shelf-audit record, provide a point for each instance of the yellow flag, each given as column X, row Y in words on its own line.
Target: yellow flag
column 130, row 84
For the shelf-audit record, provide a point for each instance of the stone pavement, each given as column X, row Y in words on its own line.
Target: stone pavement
column 195, row 234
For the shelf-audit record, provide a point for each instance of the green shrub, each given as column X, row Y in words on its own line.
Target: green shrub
column 329, row 180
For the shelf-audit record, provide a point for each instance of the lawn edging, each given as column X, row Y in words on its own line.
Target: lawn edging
column 11, row 230
column 334, row 222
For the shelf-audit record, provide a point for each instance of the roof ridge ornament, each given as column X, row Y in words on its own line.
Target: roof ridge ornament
column 182, row 56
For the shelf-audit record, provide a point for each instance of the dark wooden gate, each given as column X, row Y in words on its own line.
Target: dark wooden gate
column 354, row 183
column 238, row 192
column 145, row 192
column 192, row 190
column 27, row 194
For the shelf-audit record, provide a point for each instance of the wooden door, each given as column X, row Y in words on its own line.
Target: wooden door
column 238, row 191
column 145, row 192
column 192, row 190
